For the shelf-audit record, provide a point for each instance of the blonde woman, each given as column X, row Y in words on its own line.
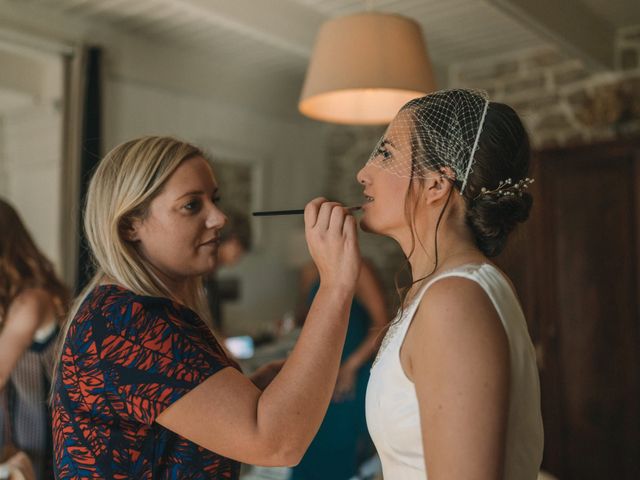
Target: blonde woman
column 143, row 388
column 32, row 303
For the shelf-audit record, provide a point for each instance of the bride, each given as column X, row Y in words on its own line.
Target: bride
column 454, row 392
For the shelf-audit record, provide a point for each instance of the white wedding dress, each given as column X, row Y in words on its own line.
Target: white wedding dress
column 393, row 416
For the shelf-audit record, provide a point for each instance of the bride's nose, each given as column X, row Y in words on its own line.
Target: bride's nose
column 363, row 175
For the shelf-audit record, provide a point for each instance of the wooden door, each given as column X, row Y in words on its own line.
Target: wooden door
column 576, row 266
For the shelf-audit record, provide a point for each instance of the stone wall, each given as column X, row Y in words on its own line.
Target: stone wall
column 561, row 101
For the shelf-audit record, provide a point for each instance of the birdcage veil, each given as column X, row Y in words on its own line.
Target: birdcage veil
column 433, row 133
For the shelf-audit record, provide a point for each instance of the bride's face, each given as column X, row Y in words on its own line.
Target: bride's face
column 386, row 178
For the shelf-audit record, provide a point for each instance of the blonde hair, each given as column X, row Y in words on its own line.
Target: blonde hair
column 123, row 186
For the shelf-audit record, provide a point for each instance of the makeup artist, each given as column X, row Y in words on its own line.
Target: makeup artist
column 143, row 388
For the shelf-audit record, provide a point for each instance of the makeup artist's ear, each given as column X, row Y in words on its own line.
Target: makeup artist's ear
column 130, row 229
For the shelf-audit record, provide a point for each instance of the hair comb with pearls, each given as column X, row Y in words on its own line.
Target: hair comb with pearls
column 507, row 187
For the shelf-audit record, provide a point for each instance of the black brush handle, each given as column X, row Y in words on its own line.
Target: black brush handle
column 278, row 212
column 292, row 212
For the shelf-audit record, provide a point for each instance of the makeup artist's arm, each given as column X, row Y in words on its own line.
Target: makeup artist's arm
column 229, row 415
column 369, row 293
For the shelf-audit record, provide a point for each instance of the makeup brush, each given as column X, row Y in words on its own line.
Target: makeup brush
column 293, row 212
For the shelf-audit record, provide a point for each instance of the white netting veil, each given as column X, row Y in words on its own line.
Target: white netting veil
column 434, row 133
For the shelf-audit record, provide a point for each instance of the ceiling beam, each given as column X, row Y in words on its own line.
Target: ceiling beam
column 569, row 24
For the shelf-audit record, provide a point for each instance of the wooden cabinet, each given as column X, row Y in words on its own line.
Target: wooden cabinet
column 576, row 266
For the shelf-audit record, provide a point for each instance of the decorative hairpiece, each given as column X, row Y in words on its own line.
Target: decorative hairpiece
column 507, row 187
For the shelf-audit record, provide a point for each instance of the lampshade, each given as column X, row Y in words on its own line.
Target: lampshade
column 364, row 67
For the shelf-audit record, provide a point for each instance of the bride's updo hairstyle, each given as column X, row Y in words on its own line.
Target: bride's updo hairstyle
column 502, row 157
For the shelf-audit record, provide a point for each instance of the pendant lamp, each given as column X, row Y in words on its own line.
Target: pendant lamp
column 364, row 67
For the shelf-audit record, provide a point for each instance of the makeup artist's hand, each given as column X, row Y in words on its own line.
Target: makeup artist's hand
column 331, row 234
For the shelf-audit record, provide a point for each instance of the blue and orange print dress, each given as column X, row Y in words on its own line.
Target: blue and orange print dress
column 125, row 359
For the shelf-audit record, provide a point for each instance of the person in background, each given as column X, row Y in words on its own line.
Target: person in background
column 33, row 301
column 142, row 387
column 235, row 239
column 235, row 243
column 342, row 440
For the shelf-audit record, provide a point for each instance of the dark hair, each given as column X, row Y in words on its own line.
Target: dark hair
column 503, row 153
column 23, row 265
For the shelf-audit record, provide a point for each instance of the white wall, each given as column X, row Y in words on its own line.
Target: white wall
column 3, row 174
column 30, row 147
column 32, row 169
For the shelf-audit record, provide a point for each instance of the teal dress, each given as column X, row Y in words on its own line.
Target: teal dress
column 333, row 453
